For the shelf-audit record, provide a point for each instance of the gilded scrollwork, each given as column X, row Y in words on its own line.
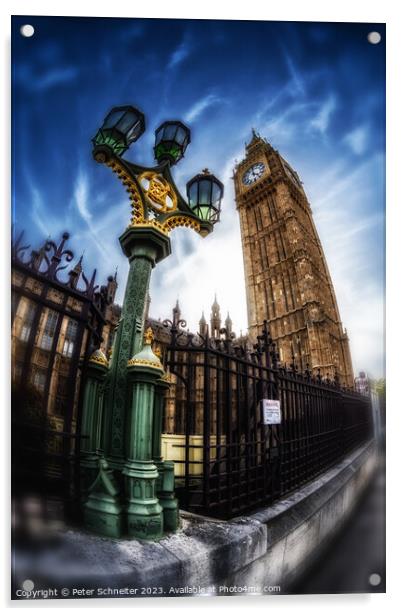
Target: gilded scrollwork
column 160, row 194
column 137, row 208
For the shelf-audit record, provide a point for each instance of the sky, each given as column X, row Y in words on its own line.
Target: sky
column 315, row 91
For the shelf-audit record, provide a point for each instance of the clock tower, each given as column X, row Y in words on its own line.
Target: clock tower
column 287, row 277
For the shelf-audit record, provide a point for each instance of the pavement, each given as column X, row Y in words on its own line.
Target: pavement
column 258, row 552
column 354, row 561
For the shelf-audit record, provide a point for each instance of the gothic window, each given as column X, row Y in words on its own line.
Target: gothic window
column 14, row 303
column 264, row 259
column 61, row 396
column 278, row 254
column 272, row 208
column 282, row 243
column 49, row 330
column 70, row 338
column 27, row 322
column 39, row 379
column 258, row 216
column 17, row 371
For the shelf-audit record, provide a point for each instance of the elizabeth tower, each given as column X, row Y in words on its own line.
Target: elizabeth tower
column 287, row 278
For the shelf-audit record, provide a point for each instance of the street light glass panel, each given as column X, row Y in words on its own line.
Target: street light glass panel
column 181, row 135
column 204, row 193
column 127, row 123
column 112, row 118
column 121, row 127
column 169, row 132
column 171, row 141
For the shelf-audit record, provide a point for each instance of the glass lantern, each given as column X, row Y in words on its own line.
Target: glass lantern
column 121, row 127
column 171, row 141
column 204, row 193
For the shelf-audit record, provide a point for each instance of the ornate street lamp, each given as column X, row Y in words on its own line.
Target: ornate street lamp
column 133, row 491
column 121, row 127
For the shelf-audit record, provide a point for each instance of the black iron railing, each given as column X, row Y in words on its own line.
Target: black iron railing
column 44, row 466
column 227, row 460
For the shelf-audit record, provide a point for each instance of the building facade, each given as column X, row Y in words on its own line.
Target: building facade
column 286, row 274
column 59, row 317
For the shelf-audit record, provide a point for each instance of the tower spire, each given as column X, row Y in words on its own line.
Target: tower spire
column 111, row 288
column 215, row 319
column 75, row 273
column 228, row 325
column 255, row 139
column 176, row 312
column 203, row 325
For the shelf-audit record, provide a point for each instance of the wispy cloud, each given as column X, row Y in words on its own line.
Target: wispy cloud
column 296, row 75
column 81, row 197
column 40, row 216
column 345, row 183
column 321, row 121
column 47, row 222
column 45, row 80
column 357, row 139
column 55, row 78
column 201, row 105
column 283, row 125
column 179, row 54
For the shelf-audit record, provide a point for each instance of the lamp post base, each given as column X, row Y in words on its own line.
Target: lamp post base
column 145, row 521
column 89, row 469
column 144, row 513
column 103, row 513
column 165, row 493
column 170, row 507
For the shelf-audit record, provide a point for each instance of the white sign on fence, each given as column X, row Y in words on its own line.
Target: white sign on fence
column 271, row 411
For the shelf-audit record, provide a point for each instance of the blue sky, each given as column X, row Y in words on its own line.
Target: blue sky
column 315, row 91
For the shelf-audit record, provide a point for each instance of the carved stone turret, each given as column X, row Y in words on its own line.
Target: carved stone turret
column 176, row 312
column 111, row 288
column 228, row 325
column 75, row 273
column 203, row 325
column 215, row 319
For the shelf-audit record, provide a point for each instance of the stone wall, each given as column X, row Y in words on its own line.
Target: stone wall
column 261, row 553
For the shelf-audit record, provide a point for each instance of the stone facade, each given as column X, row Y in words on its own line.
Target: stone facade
column 56, row 324
column 286, row 274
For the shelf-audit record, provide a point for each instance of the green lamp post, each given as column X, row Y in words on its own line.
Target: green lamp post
column 92, row 418
column 133, row 490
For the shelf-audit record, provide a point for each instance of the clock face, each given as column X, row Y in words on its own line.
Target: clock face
column 292, row 175
column 253, row 173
